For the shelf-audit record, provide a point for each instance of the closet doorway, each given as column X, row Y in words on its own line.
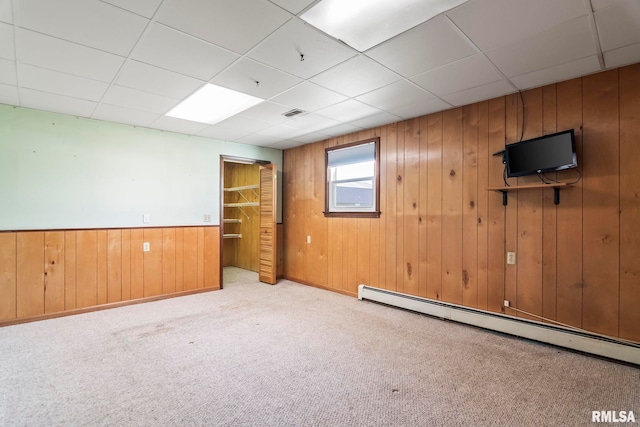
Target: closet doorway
column 247, row 219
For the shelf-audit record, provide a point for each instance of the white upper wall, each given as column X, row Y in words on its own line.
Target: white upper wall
column 63, row 172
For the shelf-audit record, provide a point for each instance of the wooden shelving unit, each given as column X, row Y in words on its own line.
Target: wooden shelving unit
column 555, row 186
column 240, row 205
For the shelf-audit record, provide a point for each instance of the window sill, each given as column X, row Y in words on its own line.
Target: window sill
column 352, row 214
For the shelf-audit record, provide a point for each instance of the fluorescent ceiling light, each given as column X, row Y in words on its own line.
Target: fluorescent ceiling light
column 363, row 24
column 212, row 104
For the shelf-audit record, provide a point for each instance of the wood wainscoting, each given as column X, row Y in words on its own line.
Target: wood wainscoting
column 48, row 272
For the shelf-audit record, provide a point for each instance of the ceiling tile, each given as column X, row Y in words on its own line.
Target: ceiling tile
column 178, row 125
column 312, row 137
column 455, row 77
column 379, row 119
column 492, row 23
column 255, row 79
column 427, row 46
column 309, row 97
column 175, row 51
column 420, row 108
column 395, row 95
column 283, row 130
column 218, row 21
column 56, row 103
column 342, row 129
column 146, row 8
column 90, row 23
column 602, row 4
column 293, row 6
column 245, row 123
column 222, row 133
column 44, row 80
column 118, row 114
column 9, row 95
column 71, row 58
column 8, row 72
column 480, row 93
column 284, row 145
column 569, row 41
column 311, row 122
column 6, row 12
column 132, row 98
column 619, row 25
column 258, row 139
column 137, row 75
column 268, row 111
column 348, row 111
column 623, row 56
column 283, row 48
column 6, row 41
column 558, row 73
column 356, row 76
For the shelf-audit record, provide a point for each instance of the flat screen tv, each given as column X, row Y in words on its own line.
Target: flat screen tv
column 539, row 155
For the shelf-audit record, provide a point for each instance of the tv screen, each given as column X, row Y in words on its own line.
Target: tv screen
column 539, row 155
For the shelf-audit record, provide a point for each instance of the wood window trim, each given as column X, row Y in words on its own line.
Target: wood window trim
column 353, row 214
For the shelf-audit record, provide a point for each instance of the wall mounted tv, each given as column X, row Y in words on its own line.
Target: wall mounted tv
column 539, row 155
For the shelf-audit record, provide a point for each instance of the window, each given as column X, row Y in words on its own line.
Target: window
column 352, row 178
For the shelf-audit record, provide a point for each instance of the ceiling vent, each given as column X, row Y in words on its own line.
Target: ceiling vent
column 294, row 112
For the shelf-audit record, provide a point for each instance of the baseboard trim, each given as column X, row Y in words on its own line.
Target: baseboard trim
column 107, row 306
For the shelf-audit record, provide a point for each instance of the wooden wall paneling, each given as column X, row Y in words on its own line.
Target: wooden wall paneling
column 137, row 263
column 374, row 241
column 434, row 206
column 190, row 258
column 400, row 184
column 296, row 240
column 484, row 161
column 569, row 237
column 87, row 268
column 153, row 262
column 114, row 265
column 70, row 275
column 280, row 248
column 126, row 264
column 180, row 263
column 101, row 246
column 496, row 251
column 411, row 207
column 363, row 252
column 529, row 221
column 513, row 131
column 549, row 214
column 307, row 178
column 200, row 231
column 168, row 260
column 452, row 206
column 470, row 207
column 30, row 273
column 8, row 279
column 381, row 222
column 289, row 221
column 423, row 208
column 629, row 202
column 318, row 246
column 601, row 203
column 350, row 251
column 391, row 199
column 211, row 257
column 54, row 271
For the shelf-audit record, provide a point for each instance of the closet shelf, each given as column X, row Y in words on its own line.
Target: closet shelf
column 232, row 220
column 232, row 236
column 244, row 187
column 239, row 205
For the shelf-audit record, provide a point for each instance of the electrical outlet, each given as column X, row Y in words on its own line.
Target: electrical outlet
column 308, row 239
column 511, row 258
column 506, row 303
column 146, row 247
column 207, row 218
column 146, row 218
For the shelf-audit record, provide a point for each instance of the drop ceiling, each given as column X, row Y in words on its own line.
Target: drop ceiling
column 131, row 61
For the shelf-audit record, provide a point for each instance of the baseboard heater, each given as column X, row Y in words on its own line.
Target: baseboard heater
column 557, row 335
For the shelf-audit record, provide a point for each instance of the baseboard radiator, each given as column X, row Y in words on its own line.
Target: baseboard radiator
column 556, row 335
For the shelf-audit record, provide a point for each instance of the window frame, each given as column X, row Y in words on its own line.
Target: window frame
column 376, row 182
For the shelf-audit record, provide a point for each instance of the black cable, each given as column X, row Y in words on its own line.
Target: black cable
column 522, row 127
column 504, row 176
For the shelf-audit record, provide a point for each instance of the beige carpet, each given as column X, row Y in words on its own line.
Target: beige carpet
column 292, row 355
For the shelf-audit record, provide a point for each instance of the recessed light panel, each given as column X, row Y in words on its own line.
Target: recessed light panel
column 363, row 24
column 212, row 104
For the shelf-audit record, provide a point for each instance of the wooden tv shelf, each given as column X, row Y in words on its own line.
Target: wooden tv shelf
column 556, row 190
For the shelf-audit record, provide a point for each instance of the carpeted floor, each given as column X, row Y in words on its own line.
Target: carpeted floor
column 292, row 355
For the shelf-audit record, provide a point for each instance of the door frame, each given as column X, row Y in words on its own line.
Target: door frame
column 230, row 159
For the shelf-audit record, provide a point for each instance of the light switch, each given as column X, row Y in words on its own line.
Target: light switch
column 146, row 247
column 146, row 218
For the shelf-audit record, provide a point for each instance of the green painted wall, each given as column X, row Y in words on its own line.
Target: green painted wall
column 59, row 171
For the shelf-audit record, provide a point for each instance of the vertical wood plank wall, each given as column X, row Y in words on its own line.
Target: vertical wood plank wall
column 441, row 235
column 44, row 272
